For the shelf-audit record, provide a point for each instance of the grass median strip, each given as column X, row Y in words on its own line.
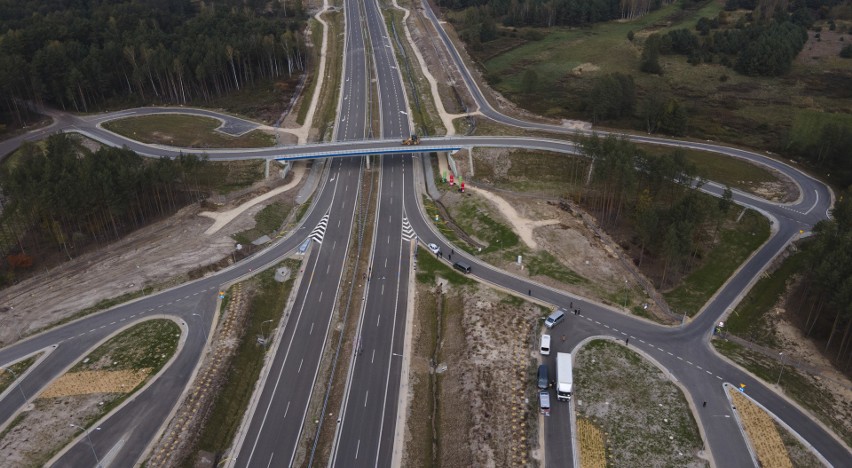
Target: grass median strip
column 12, row 372
column 645, row 417
column 266, row 304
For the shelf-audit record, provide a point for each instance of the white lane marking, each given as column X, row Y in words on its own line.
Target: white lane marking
column 707, row 371
column 320, row 298
column 670, row 354
column 641, row 340
column 379, row 318
column 112, row 323
column 373, row 358
column 680, row 358
column 122, row 320
column 689, row 362
column 327, row 268
column 357, row 449
column 699, row 367
column 625, row 334
column 270, row 459
column 719, row 377
column 366, row 395
column 300, row 366
column 815, row 202
column 661, row 349
column 312, row 329
column 195, row 294
column 132, row 316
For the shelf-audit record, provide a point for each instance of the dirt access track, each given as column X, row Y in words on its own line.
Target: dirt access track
column 160, row 254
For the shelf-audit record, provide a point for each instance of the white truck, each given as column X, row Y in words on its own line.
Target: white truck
column 564, row 378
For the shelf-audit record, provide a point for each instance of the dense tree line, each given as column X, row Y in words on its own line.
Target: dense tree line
column 542, row 13
column 61, row 197
column 657, row 196
column 755, row 49
column 80, row 54
column 826, row 296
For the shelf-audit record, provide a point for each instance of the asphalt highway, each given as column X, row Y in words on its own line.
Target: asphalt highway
column 365, row 435
column 277, row 425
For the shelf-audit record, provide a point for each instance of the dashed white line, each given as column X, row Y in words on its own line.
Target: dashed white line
column 680, row 358
column 366, row 395
column 300, row 366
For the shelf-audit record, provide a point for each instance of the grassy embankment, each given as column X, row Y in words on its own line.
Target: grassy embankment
column 185, row 131
column 752, row 321
column 736, row 244
column 326, row 113
column 548, row 173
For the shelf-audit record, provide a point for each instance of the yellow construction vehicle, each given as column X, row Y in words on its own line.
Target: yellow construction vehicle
column 413, row 140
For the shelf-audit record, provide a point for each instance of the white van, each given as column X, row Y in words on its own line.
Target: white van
column 554, row 318
column 545, row 345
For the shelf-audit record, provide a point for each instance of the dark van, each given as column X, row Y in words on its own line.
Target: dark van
column 543, row 380
column 461, row 266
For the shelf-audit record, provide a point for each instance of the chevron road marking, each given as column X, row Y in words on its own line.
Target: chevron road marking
column 319, row 232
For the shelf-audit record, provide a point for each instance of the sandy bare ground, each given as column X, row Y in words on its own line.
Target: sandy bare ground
column 523, row 226
column 484, row 361
column 86, row 382
column 46, row 428
column 567, row 236
column 220, row 219
column 160, row 254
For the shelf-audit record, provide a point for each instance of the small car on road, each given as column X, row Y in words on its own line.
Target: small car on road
column 434, row 248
